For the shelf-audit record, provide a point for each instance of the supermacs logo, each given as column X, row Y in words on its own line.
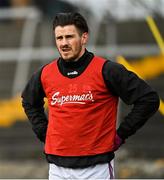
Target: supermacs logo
column 74, row 99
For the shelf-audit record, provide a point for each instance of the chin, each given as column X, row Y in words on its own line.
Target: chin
column 66, row 58
column 69, row 58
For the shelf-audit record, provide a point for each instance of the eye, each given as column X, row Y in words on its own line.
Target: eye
column 69, row 36
column 59, row 38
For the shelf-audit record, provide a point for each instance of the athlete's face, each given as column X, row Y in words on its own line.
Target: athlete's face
column 70, row 43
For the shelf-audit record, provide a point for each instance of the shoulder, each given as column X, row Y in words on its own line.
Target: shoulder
column 98, row 62
column 36, row 76
column 49, row 65
column 114, row 69
column 99, row 59
column 114, row 66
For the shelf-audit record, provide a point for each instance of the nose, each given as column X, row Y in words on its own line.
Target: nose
column 64, row 42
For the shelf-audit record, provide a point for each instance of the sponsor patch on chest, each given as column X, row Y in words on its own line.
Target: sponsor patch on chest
column 83, row 98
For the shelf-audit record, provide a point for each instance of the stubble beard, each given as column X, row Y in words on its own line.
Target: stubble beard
column 72, row 58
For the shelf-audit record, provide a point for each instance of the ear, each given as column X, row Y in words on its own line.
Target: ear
column 84, row 38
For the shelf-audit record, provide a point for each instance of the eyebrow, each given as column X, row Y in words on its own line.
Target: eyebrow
column 67, row 35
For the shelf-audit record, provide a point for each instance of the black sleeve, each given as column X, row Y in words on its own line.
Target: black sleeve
column 33, row 104
column 133, row 91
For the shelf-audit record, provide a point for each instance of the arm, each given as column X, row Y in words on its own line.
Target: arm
column 133, row 91
column 33, row 104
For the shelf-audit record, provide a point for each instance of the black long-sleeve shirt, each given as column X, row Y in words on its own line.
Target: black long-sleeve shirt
column 121, row 82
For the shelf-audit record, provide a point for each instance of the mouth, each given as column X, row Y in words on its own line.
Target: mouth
column 66, row 49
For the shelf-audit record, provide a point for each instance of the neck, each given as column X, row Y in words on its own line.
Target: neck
column 79, row 66
column 76, row 62
column 80, row 55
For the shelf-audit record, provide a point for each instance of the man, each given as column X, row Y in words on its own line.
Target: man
column 82, row 90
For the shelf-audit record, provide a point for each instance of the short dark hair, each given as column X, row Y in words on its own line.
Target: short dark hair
column 63, row 19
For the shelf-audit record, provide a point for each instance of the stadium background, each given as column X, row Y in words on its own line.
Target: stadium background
column 120, row 30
